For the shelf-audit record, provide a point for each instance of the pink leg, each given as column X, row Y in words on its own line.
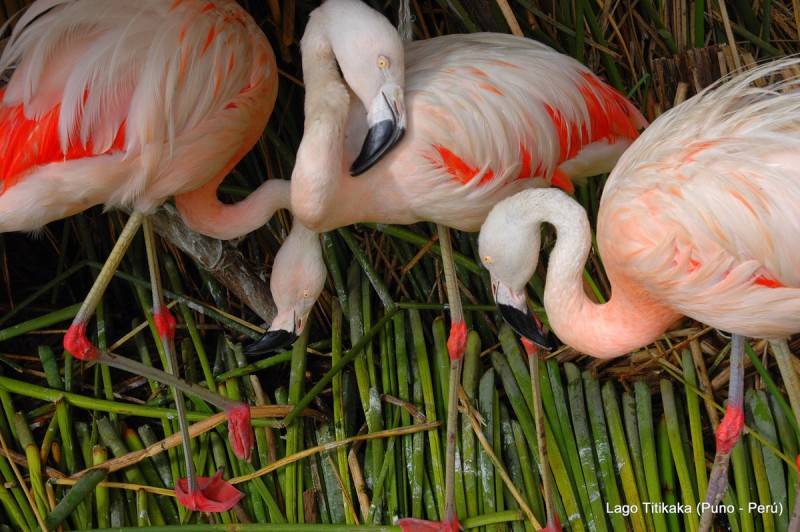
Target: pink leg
column 728, row 431
column 240, row 433
column 456, row 345
column 532, row 350
column 206, row 494
column 194, row 493
column 77, row 343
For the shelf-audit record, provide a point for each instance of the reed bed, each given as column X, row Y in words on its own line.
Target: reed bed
column 349, row 423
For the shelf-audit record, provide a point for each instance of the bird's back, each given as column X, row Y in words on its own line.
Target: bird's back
column 490, row 114
column 702, row 210
column 131, row 86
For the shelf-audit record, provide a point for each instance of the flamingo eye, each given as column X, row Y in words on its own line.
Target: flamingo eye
column 305, row 293
column 487, row 260
column 383, row 62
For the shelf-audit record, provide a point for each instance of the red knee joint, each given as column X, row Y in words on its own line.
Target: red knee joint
column 78, row 345
column 165, row 323
column 729, row 429
column 457, row 342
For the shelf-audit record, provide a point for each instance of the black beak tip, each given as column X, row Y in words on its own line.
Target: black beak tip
column 525, row 325
column 271, row 341
column 380, row 139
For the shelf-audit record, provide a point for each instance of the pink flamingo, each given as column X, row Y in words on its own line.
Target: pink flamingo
column 487, row 115
column 698, row 218
column 126, row 104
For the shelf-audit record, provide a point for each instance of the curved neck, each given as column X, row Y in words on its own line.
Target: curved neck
column 317, row 174
column 325, row 196
column 628, row 320
column 203, row 212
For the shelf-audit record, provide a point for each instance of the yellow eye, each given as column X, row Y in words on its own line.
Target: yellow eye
column 487, row 260
column 306, row 294
column 383, row 62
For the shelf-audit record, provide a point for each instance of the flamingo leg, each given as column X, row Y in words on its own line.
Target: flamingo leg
column 780, row 349
column 77, row 343
column 728, row 432
column 165, row 323
column 215, row 494
column 553, row 523
column 107, row 272
column 456, row 345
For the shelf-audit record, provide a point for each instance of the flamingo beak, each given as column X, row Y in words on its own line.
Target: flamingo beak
column 513, row 307
column 271, row 341
column 387, row 124
column 284, row 331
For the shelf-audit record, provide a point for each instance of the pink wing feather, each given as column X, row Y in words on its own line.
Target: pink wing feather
column 29, row 143
column 711, row 238
column 107, row 97
column 530, row 115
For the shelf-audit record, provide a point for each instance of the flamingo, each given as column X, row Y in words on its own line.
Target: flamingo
column 698, row 218
column 447, row 127
column 126, row 104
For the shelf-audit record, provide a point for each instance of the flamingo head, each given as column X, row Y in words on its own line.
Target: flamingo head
column 298, row 277
column 513, row 307
column 371, row 59
column 373, row 65
column 511, row 253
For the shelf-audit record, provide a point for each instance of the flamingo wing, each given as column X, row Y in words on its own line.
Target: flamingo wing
column 705, row 219
column 492, row 114
column 509, row 108
column 129, row 85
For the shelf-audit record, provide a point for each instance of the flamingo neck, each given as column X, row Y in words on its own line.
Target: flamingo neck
column 203, row 212
column 325, row 196
column 316, row 178
column 628, row 320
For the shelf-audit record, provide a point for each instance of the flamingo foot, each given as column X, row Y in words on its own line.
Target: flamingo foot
column 77, row 343
column 240, row 431
column 212, row 495
column 457, row 342
column 412, row 524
